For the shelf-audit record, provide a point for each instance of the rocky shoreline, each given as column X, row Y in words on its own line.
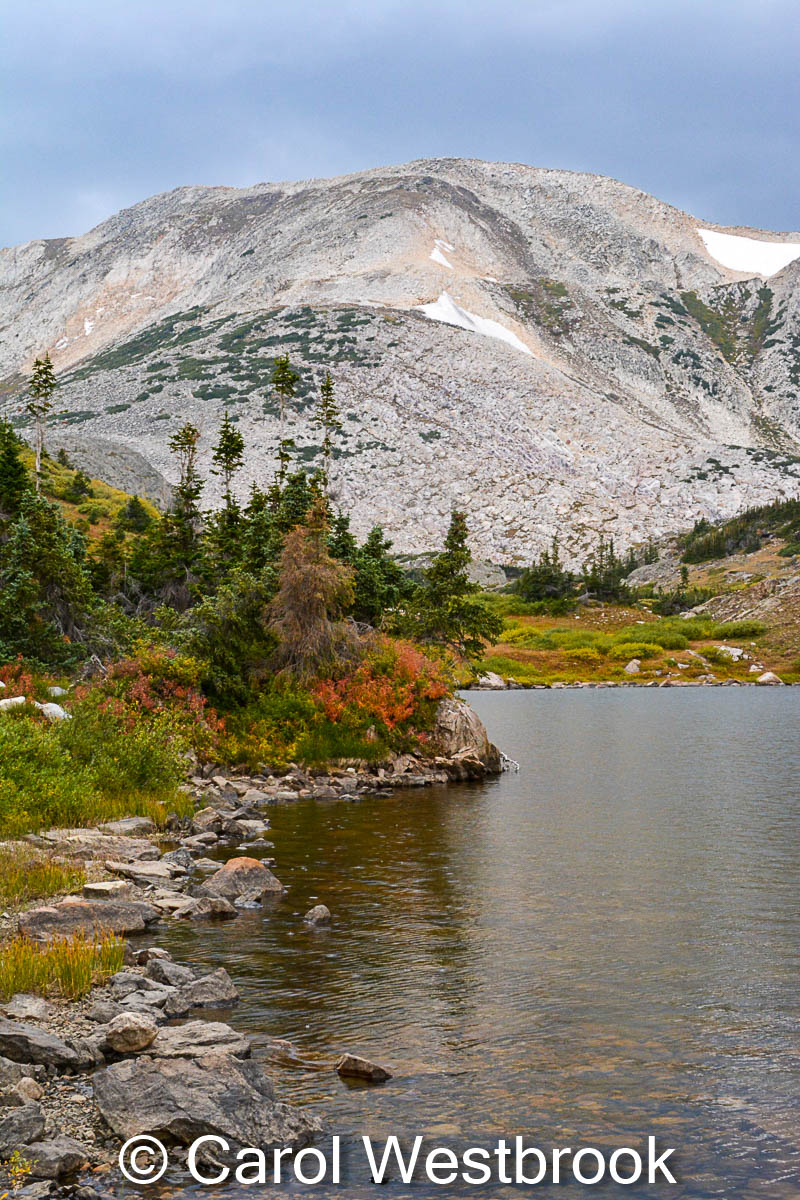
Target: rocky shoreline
column 497, row 683
column 147, row 1053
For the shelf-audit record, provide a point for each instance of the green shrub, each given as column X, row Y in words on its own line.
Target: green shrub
column 585, row 654
column 738, row 629
column 624, row 651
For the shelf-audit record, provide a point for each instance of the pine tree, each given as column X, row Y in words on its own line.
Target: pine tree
column 328, row 418
column 41, row 387
column 380, row 583
column 445, row 609
column 14, row 480
column 284, row 381
column 546, row 579
column 228, row 457
column 223, row 528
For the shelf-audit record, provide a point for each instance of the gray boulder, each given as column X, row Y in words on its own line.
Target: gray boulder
column 56, row 1157
column 170, row 973
column 130, row 1033
column 21, row 1127
column 129, row 827
column 180, row 1101
column 460, row 738
column 198, row 1038
column 240, row 875
column 29, row 1044
column 27, row 1008
column 205, row 908
column 86, row 916
column 211, row 991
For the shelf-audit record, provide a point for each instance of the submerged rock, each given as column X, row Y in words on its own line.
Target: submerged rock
column 354, row 1067
column 320, row 914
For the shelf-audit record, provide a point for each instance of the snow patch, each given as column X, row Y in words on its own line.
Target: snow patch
column 61, row 343
column 748, row 254
column 446, row 310
column 437, row 255
column 88, row 326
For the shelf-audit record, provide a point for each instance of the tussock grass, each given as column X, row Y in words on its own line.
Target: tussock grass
column 27, row 875
column 66, row 967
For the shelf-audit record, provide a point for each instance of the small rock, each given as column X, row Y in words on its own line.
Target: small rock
column 27, row 1008
column 130, row 1033
column 633, row 667
column 56, row 1157
column 355, row 1067
column 21, row 1127
column 129, row 827
column 28, row 1090
column 212, row 908
column 216, row 990
column 169, row 973
column 198, row 1038
column 318, row 915
column 107, row 889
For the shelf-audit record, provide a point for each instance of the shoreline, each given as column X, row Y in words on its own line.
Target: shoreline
column 72, row 1071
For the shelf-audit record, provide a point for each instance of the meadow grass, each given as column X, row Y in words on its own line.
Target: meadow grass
column 65, row 967
column 28, row 875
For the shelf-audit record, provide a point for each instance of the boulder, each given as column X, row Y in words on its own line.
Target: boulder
column 240, row 875
column 769, row 679
column 179, row 1101
column 352, row 1066
column 254, row 797
column 318, row 915
column 211, row 991
column 56, row 1157
column 102, row 1012
column 212, row 908
column 633, row 667
column 129, row 827
column 198, row 1038
column 130, row 1033
column 12, row 702
column 12, row 1072
column 107, row 889
column 53, row 712
column 207, row 820
column 21, row 1127
column 170, row 973
column 459, row 737
column 160, row 874
column 94, row 843
column 87, row 916
column 27, row 1090
column 490, row 682
column 29, row 1044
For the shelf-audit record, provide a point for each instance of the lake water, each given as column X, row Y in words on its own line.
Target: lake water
column 603, row 946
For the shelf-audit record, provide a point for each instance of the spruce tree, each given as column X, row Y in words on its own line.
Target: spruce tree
column 445, row 609
column 380, row 583
column 223, row 528
column 228, row 457
column 41, row 387
column 284, row 381
column 14, row 479
column 328, row 418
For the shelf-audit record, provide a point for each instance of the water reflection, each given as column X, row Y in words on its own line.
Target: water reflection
column 603, row 946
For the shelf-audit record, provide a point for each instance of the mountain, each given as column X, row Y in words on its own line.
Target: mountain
column 556, row 352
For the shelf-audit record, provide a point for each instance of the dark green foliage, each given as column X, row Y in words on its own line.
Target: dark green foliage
column 134, row 517
column 229, row 633
column 15, row 481
column 380, row 583
column 41, row 387
column 79, row 488
column 446, row 610
column 604, row 574
column 328, row 418
column 45, row 595
column 546, row 579
column 742, row 534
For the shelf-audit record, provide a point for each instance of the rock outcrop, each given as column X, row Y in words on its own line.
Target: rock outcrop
column 461, row 741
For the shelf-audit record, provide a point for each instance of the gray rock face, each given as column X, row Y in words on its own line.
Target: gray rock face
column 28, row 1044
column 57, row 1157
column 599, row 399
column 21, row 1127
column 87, row 916
column 183, row 1100
column 460, row 737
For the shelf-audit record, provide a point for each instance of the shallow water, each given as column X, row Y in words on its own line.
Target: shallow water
column 601, row 947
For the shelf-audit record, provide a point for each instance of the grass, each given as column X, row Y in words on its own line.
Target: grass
column 65, row 967
column 81, row 772
column 26, row 875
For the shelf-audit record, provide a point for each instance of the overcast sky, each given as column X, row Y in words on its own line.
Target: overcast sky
column 109, row 101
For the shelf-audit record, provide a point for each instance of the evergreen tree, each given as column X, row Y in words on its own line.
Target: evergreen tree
column 184, row 519
column 134, row 517
column 228, row 457
column 14, row 479
column 546, row 579
column 223, row 528
column 328, row 418
column 284, row 381
column 445, row 609
column 380, row 583
column 604, row 573
column 41, row 387
column 46, row 599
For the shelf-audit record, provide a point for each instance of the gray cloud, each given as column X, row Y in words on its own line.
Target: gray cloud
column 108, row 102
